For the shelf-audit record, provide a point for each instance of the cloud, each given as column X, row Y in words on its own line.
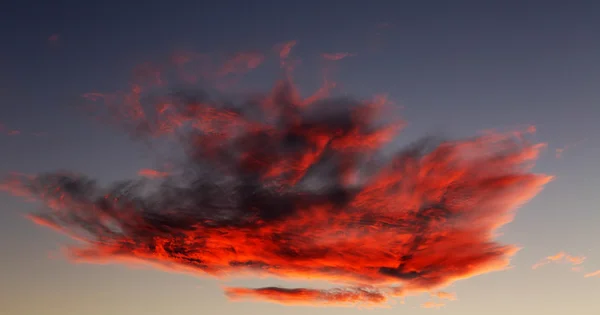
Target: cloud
column 241, row 62
column 8, row 131
column 150, row 173
column 559, row 152
column 431, row 304
column 557, row 256
column 445, row 295
column 284, row 49
column 575, row 260
column 560, row 257
column 275, row 185
column 592, row 274
column 5, row 130
column 308, row 296
column 14, row 183
column 337, row 56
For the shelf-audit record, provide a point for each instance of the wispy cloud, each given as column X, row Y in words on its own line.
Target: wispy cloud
column 592, row 274
column 241, row 62
column 337, row 56
column 283, row 50
column 445, row 295
column 8, row 131
column 432, row 304
column 364, row 297
column 560, row 257
column 150, row 173
column 559, row 152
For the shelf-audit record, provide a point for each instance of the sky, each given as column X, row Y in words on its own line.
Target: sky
column 452, row 68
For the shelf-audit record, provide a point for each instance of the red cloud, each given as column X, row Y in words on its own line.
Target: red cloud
column 308, row 296
column 296, row 189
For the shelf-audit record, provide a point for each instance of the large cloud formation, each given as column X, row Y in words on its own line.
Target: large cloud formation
column 280, row 186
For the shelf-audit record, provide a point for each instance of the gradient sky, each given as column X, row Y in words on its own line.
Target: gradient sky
column 457, row 67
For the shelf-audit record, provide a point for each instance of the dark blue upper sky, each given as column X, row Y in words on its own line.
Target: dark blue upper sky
column 497, row 55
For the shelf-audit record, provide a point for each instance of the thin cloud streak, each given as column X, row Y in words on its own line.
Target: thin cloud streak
column 560, row 257
column 332, row 297
column 432, row 304
column 337, row 56
column 445, row 296
column 150, row 173
column 592, row 274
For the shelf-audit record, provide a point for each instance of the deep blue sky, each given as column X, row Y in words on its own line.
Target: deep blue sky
column 456, row 67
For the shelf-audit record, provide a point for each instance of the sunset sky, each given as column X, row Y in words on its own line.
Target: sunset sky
column 449, row 68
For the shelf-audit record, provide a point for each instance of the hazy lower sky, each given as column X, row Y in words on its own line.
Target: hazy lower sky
column 455, row 67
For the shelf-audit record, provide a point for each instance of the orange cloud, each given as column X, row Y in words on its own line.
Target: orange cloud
column 592, row 274
column 548, row 259
column 150, row 173
column 561, row 256
column 539, row 264
column 431, row 304
column 556, row 257
column 445, row 296
column 575, row 260
column 242, row 202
